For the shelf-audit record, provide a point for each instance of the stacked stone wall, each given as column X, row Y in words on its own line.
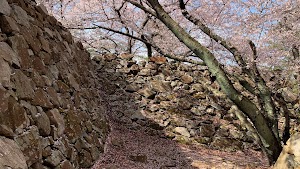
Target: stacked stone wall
column 50, row 113
column 177, row 100
column 183, row 100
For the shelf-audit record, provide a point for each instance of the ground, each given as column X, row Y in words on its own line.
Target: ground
column 131, row 146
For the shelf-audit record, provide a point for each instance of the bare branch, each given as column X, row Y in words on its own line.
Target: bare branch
column 227, row 45
column 108, row 29
column 171, row 56
column 253, row 48
column 146, row 41
column 146, row 10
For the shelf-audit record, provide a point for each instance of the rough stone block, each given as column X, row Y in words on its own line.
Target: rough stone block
column 10, row 155
column 54, row 159
column 5, row 73
column 15, row 116
column 42, row 10
column 39, row 66
column 31, row 109
column 45, row 44
column 49, row 32
column 226, row 143
column 6, row 131
column 53, row 96
column 288, row 95
column 47, row 80
column 30, row 38
column 85, row 159
column 73, row 82
column 38, row 165
column 8, row 25
column 20, row 46
column 207, row 130
column 42, row 122
column 62, row 87
column 73, row 125
column 290, row 155
column 3, row 37
column 95, row 152
column 81, row 143
column 46, row 152
column 8, row 54
column 41, row 99
column 23, row 85
column 147, row 92
column 52, row 21
column 54, row 71
column 58, row 120
column 160, row 86
column 20, row 16
column 187, row 79
column 30, row 144
column 182, row 131
column 66, row 165
column 67, row 36
column 5, row 8
column 37, row 79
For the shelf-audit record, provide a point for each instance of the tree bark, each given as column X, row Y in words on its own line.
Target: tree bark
column 148, row 46
column 263, row 93
column 268, row 138
column 149, row 50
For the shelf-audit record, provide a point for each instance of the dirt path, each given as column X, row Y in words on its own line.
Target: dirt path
column 136, row 147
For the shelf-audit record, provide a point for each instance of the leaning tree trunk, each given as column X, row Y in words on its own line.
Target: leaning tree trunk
column 269, row 140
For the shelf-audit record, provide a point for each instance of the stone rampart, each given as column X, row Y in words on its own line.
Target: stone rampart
column 49, row 109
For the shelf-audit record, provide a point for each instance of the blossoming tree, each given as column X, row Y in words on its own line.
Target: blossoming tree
column 247, row 35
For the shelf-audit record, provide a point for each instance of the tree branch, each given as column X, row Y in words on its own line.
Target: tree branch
column 286, row 132
column 141, row 7
column 256, row 116
column 146, row 41
column 253, row 48
column 108, row 29
column 265, row 98
column 227, row 45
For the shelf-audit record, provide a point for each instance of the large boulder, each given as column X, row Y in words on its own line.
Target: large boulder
column 290, row 155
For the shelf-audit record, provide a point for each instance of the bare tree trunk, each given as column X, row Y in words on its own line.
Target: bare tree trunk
column 268, row 138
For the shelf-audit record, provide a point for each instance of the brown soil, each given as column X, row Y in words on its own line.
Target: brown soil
column 136, row 147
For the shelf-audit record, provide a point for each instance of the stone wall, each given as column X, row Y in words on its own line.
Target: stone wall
column 48, row 105
column 179, row 100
